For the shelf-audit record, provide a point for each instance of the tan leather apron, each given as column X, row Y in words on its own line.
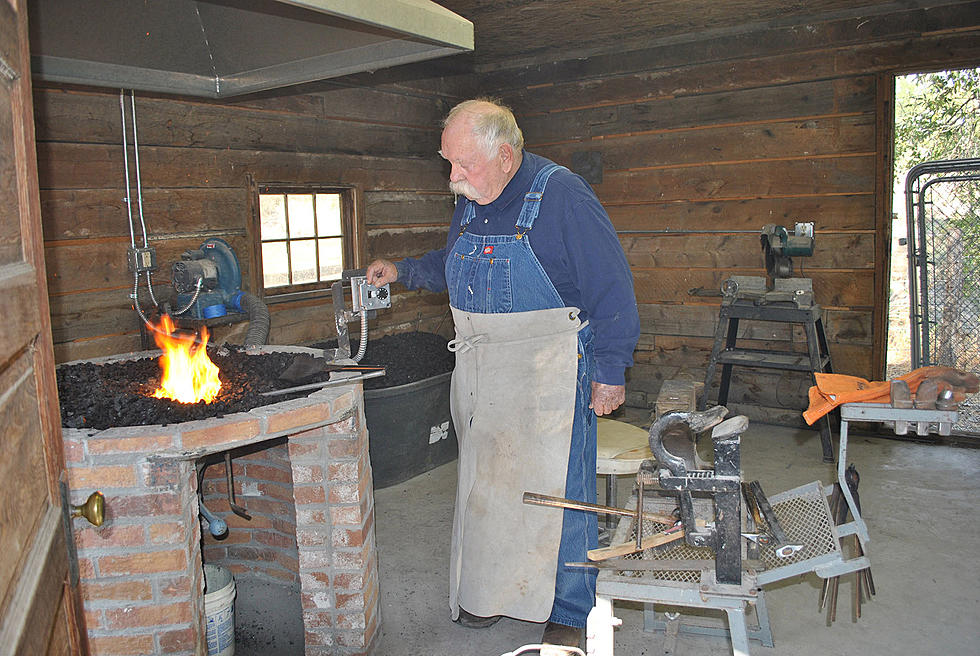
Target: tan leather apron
column 512, row 399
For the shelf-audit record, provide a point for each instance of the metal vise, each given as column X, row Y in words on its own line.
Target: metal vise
column 723, row 484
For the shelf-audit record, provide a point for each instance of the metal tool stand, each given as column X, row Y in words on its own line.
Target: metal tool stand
column 724, row 351
column 803, row 514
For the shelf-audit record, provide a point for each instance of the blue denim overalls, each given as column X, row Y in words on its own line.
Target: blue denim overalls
column 507, row 309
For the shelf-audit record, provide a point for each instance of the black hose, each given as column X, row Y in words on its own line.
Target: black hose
column 258, row 319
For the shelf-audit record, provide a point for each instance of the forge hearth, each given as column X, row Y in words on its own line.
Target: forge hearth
column 306, row 472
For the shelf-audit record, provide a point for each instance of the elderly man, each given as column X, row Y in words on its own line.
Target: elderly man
column 546, row 323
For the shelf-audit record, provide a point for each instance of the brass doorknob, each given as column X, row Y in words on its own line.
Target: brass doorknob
column 93, row 509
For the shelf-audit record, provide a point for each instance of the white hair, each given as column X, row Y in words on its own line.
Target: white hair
column 493, row 124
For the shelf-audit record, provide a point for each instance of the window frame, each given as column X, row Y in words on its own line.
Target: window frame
column 352, row 226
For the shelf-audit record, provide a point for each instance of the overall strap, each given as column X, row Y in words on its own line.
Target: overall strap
column 532, row 199
column 469, row 212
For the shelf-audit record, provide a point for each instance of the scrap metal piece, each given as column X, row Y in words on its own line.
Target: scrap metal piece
column 238, row 510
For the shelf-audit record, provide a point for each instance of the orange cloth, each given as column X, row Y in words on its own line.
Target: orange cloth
column 833, row 390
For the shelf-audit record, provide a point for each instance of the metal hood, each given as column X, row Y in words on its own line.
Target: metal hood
column 221, row 48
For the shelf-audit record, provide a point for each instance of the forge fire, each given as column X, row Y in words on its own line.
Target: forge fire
column 188, row 374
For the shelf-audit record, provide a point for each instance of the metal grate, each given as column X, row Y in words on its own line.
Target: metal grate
column 805, row 520
column 803, row 514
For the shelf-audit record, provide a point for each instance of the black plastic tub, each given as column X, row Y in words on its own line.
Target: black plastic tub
column 409, row 429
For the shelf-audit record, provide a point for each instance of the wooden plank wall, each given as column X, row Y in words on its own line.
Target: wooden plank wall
column 704, row 143
column 195, row 156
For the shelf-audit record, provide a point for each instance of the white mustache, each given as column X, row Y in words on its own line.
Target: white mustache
column 464, row 188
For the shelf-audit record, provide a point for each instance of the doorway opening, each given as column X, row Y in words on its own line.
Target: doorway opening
column 934, row 293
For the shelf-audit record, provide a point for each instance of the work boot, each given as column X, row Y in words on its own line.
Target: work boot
column 471, row 621
column 559, row 634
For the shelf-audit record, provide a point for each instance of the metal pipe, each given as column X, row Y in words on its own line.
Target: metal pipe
column 125, row 145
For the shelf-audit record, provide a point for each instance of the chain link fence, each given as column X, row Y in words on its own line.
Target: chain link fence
column 943, row 210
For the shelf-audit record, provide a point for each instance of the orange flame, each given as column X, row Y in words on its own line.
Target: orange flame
column 189, row 376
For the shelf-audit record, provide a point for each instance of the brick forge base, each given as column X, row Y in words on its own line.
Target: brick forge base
column 141, row 573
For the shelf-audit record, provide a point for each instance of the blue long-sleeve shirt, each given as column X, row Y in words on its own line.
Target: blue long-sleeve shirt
column 576, row 244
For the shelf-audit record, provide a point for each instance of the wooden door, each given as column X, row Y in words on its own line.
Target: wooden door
column 38, row 605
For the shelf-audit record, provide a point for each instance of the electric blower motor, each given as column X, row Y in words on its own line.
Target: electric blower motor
column 208, row 280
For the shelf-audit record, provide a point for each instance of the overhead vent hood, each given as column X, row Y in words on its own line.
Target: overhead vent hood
column 222, row 48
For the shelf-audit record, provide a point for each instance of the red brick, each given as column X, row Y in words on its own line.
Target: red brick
column 121, row 645
column 315, row 580
column 151, row 562
column 309, row 494
column 101, row 478
column 288, row 562
column 346, row 560
column 348, row 581
column 345, row 493
column 303, row 448
column 109, row 535
column 164, row 474
column 178, row 587
column 310, row 517
column 218, row 433
column 311, row 537
column 268, row 473
column 317, row 619
column 345, row 537
column 342, row 471
column 353, row 601
column 285, row 525
column 343, row 448
column 94, row 619
column 143, row 443
column 181, row 640
column 145, row 505
column 123, row 591
column 298, row 418
column 155, row 615
column 283, row 492
column 307, row 474
column 284, row 575
column 167, row 533
column 349, row 620
column 319, row 639
column 74, row 451
column 349, row 515
column 273, row 539
column 317, row 600
column 236, row 537
column 315, row 560
column 86, row 568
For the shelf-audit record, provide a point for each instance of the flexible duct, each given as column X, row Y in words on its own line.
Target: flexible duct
column 258, row 318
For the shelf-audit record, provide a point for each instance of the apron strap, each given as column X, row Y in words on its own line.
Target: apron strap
column 464, row 344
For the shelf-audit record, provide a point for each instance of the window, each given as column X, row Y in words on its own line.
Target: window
column 305, row 237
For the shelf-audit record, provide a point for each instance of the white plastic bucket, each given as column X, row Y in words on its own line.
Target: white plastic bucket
column 219, row 608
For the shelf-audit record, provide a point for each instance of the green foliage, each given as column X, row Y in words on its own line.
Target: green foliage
column 937, row 116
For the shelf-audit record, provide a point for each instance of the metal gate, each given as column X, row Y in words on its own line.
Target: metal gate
column 942, row 202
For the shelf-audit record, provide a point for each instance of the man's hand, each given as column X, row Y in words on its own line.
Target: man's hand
column 606, row 398
column 381, row 272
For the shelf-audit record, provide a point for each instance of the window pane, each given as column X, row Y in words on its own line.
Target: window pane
column 300, row 215
column 331, row 258
column 303, row 261
column 275, row 264
column 272, row 210
column 328, row 215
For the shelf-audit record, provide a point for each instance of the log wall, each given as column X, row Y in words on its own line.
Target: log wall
column 704, row 143
column 196, row 157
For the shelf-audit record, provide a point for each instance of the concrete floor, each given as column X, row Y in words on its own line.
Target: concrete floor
column 919, row 505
